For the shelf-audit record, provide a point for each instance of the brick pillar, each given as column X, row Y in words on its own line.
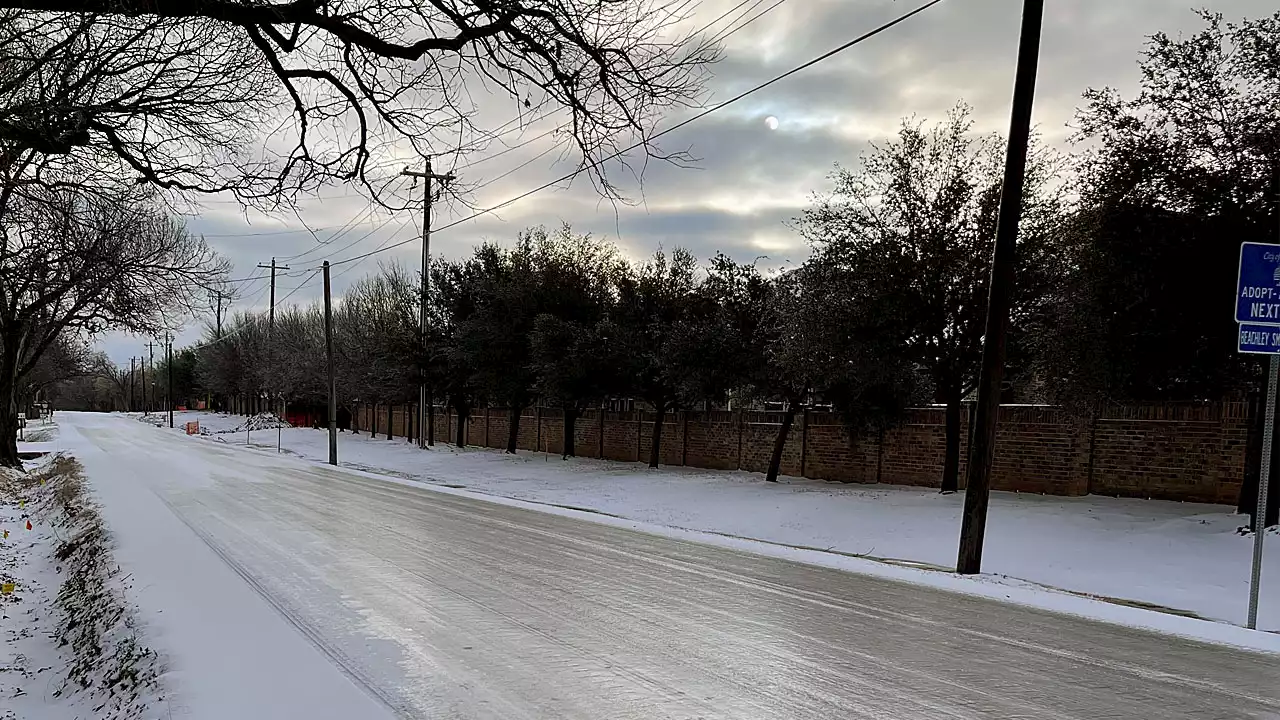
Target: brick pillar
column 804, row 438
column 684, row 438
column 739, row 463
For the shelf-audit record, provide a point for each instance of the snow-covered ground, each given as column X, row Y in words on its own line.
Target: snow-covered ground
column 72, row 647
column 228, row 651
column 1180, row 556
column 275, row 587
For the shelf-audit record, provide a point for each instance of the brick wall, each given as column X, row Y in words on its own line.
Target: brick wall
column 1173, row 453
column 1189, row 452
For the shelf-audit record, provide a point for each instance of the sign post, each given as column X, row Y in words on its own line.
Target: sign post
column 1258, row 315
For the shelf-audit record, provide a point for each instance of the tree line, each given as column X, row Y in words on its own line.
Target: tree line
column 1126, row 255
column 116, row 117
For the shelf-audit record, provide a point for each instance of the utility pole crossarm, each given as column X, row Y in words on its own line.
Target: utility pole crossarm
column 428, row 175
column 273, row 267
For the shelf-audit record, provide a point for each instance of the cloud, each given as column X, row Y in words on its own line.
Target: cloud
column 749, row 181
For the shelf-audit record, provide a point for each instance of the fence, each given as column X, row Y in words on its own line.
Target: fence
column 1192, row 452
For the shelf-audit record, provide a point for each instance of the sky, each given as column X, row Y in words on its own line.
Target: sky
column 749, row 180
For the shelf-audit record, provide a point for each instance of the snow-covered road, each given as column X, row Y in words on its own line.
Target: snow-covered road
column 442, row 606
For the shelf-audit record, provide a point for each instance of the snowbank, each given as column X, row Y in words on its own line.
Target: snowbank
column 86, row 658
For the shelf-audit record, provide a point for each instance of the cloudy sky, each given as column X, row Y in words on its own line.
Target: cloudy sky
column 750, row 179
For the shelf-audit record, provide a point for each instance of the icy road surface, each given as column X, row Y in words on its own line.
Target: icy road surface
column 442, row 606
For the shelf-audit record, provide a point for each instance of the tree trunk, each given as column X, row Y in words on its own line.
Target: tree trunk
column 8, row 403
column 780, row 442
column 462, row 427
column 570, row 420
column 951, row 461
column 513, row 427
column 655, row 447
column 391, row 420
column 373, row 430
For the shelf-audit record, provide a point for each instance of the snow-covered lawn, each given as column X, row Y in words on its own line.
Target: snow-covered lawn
column 1180, row 556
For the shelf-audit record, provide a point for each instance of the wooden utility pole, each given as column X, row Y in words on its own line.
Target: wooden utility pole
column 133, row 385
column 333, row 383
column 146, row 404
column 223, row 300
column 978, row 474
column 426, row 403
column 168, row 349
column 271, row 321
column 271, row 314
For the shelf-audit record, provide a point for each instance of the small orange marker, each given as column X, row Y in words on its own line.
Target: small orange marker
column 28, row 524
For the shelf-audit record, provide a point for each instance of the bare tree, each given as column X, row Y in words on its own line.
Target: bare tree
column 179, row 92
column 68, row 357
column 77, row 262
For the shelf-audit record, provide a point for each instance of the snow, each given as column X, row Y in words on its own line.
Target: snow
column 443, row 602
column 29, row 656
column 231, row 647
column 228, row 652
column 1183, row 557
column 71, row 646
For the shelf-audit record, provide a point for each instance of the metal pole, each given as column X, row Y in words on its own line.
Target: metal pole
column 1264, row 479
column 333, row 384
column 978, row 480
column 1268, row 433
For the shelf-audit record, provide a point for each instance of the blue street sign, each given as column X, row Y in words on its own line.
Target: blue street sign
column 1259, row 339
column 1258, row 289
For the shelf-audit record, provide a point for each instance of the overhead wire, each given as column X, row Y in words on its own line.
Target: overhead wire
column 732, row 29
column 233, row 333
column 380, row 246
column 336, row 235
column 724, row 15
column 684, row 123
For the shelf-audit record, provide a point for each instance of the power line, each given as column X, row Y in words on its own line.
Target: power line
column 258, row 234
column 731, row 30
column 342, row 230
column 595, row 163
column 260, row 277
column 242, row 328
column 513, row 148
column 381, row 246
column 724, row 15
column 363, row 237
column 516, row 169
